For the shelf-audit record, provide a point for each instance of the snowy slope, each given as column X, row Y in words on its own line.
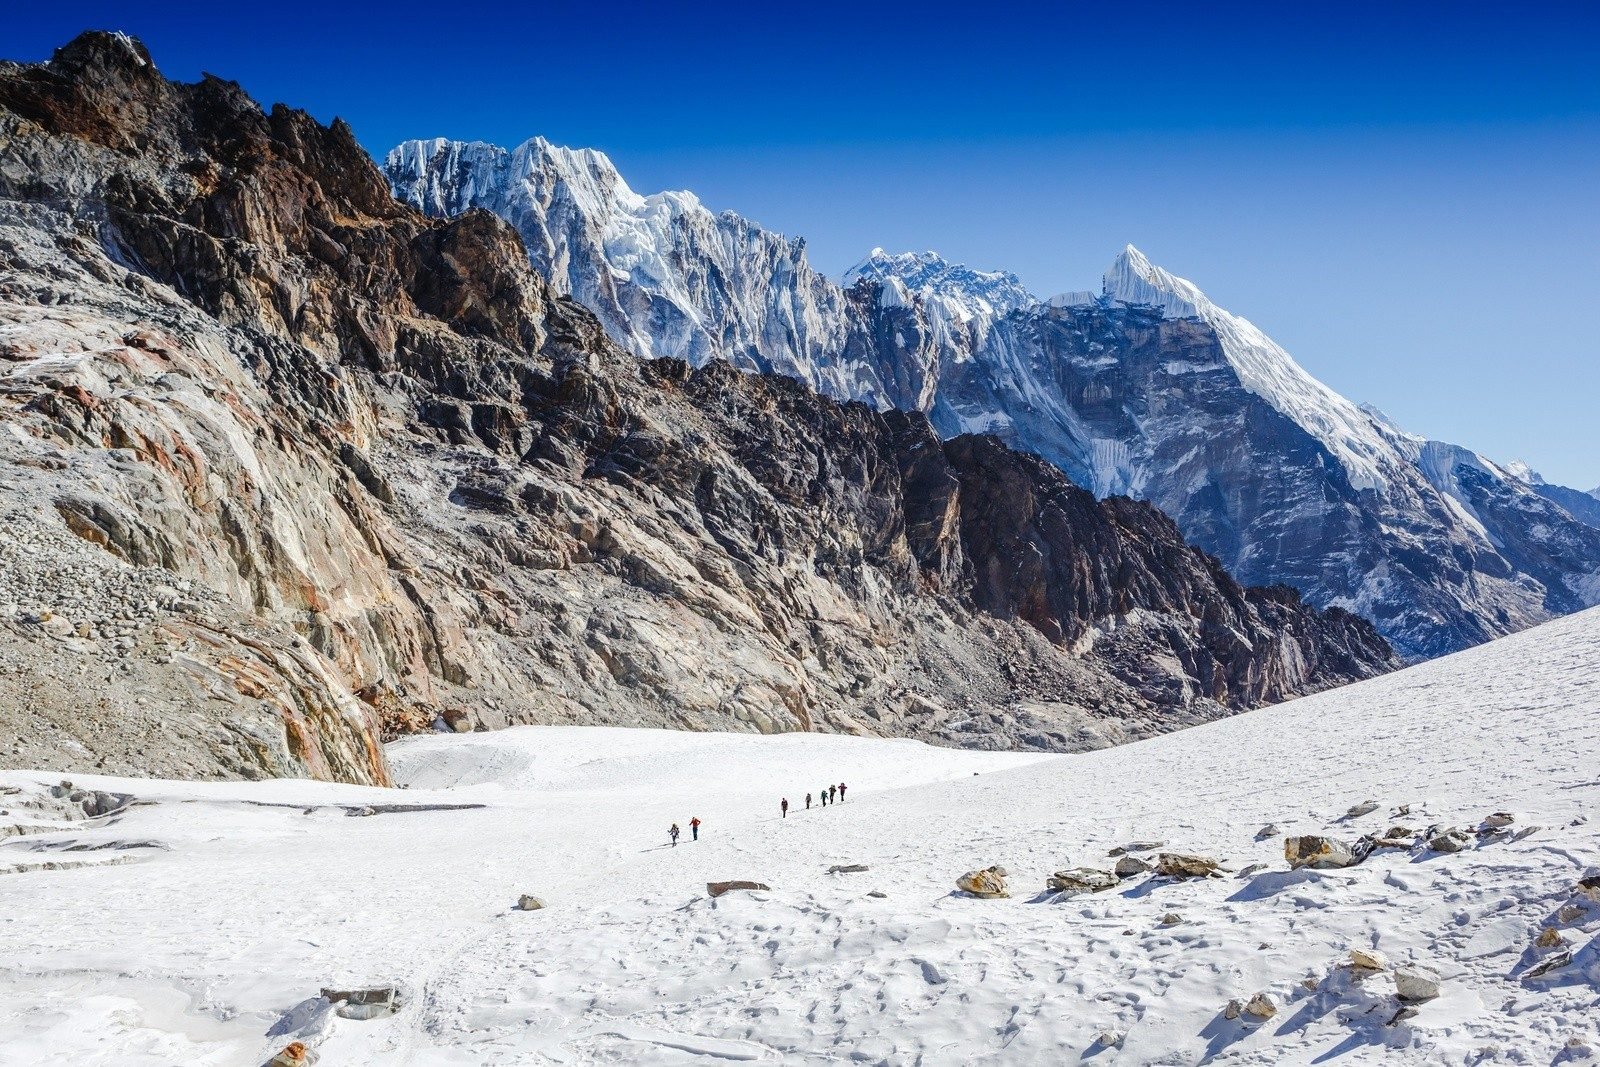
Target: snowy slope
column 240, row 901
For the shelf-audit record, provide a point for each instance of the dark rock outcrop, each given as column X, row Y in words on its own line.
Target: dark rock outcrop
column 234, row 357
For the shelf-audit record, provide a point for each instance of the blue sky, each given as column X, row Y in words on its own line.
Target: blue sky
column 1402, row 194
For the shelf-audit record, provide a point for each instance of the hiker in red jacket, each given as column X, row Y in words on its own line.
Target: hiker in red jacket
column 841, row 792
column 785, row 807
column 694, row 827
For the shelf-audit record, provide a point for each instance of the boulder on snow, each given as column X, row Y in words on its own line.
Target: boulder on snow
column 1321, row 853
column 1362, row 959
column 1549, row 937
column 716, row 889
column 1234, row 1009
column 847, row 868
column 1553, row 962
column 372, row 1003
column 1261, row 1006
column 1171, row 918
column 1136, row 846
column 1366, row 807
column 1568, row 914
column 1499, row 820
column 528, row 902
column 1589, row 888
column 1268, row 831
column 457, row 719
column 1414, row 983
column 1448, row 840
column 1081, row 880
column 1131, row 866
column 988, row 883
column 1184, row 865
column 293, row 1055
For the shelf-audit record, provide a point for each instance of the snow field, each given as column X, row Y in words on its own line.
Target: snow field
column 190, row 953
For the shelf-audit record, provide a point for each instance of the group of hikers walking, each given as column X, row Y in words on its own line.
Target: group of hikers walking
column 834, row 794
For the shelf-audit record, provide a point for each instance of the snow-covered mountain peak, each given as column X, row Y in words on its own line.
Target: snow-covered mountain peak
column 1520, row 470
column 974, row 292
column 1263, row 367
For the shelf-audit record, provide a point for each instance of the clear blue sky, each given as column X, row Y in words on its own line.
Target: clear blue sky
column 1405, row 195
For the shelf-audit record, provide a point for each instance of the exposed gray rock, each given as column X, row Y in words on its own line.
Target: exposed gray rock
column 1081, row 880
column 988, row 883
column 1323, row 853
column 1414, row 983
column 1132, row 866
column 717, row 889
column 527, row 902
column 363, row 1004
column 1183, row 865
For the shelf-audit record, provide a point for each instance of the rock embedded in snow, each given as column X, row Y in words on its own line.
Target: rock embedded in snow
column 1362, row 959
column 1499, row 820
column 1549, row 937
column 1136, row 846
column 1171, row 918
column 1261, row 1006
column 1268, row 831
column 1184, row 865
column 1450, row 840
column 1589, row 888
column 1553, row 962
column 294, row 1054
column 717, row 889
column 1414, row 983
column 847, row 868
column 364, row 1004
column 1132, row 866
column 1081, row 880
column 989, row 883
column 1320, row 853
column 1366, row 807
column 527, row 902
column 1234, row 1009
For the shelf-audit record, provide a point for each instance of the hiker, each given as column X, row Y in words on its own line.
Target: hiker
column 673, row 833
column 785, row 807
column 841, row 792
column 823, row 793
column 694, row 827
column 808, row 801
column 833, row 791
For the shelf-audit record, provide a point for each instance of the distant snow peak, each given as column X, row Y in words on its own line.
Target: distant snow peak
column 1523, row 473
column 974, row 292
column 1263, row 367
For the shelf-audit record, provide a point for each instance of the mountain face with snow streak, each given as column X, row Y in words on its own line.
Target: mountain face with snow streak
column 1144, row 388
column 667, row 277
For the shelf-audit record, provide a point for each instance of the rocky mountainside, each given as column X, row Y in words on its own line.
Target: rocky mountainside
column 1143, row 387
column 287, row 466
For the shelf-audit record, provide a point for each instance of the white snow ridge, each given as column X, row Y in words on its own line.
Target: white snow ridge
column 211, row 916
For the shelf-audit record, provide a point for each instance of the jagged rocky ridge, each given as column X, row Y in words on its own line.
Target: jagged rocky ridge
column 1144, row 387
column 374, row 453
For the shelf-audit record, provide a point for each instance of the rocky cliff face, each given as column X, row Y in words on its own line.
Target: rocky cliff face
column 1144, row 388
column 306, row 442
